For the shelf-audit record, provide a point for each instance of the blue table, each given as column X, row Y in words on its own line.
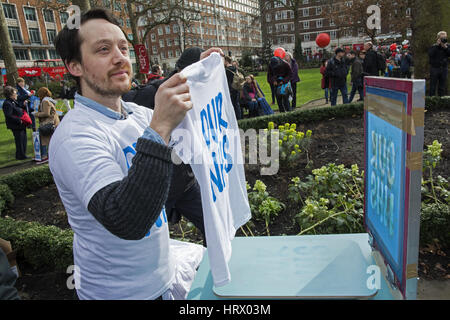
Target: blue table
column 295, row 267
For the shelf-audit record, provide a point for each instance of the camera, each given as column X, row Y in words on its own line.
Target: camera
column 444, row 40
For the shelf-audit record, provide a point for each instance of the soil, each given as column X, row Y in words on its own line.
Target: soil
column 336, row 140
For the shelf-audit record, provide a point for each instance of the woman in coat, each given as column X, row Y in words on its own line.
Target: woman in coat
column 254, row 98
column 326, row 83
column 13, row 114
column 47, row 117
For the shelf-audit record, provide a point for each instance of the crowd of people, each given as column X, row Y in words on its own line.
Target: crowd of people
column 387, row 62
column 20, row 114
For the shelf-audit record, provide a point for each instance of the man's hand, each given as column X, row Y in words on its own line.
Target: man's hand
column 172, row 102
column 206, row 53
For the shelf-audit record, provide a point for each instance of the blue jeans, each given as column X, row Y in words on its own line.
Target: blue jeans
column 334, row 94
column 326, row 94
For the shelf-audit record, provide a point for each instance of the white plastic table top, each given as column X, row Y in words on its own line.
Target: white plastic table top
column 294, row 267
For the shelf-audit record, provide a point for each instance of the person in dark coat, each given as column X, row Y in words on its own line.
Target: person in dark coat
column 13, row 113
column 231, row 71
column 406, row 64
column 23, row 98
column 337, row 70
column 280, row 73
column 370, row 64
column 295, row 78
column 439, row 54
column 357, row 77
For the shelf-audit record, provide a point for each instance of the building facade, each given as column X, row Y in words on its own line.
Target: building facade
column 279, row 22
column 232, row 25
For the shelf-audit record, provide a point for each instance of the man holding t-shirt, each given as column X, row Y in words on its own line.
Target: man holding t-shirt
column 112, row 165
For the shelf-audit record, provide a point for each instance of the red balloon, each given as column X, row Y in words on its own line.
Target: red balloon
column 323, row 40
column 279, row 52
column 393, row 47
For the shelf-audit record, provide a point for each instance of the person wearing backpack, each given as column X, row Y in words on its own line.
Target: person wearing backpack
column 371, row 65
column 280, row 75
column 234, row 85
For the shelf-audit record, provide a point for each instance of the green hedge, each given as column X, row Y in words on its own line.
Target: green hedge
column 28, row 180
column 6, row 197
column 46, row 247
column 340, row 111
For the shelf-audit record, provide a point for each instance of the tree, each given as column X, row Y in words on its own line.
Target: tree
column 298, row 51
column 7, row 51
column 292, row 5
column 148, row 14
column 429, row 17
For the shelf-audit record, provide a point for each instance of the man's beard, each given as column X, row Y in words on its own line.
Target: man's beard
column 106, row 92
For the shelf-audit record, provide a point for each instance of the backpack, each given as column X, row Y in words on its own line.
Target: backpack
column 381, row 62
column 238, row 80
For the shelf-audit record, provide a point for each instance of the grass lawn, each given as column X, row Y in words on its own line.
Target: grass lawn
column 309, row 87
column 7, row 145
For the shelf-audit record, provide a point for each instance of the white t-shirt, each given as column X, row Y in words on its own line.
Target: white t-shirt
column 87, row 152
column 208, row 138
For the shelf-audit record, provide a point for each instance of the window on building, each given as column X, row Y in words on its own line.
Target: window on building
column 319, row 23
column 176, row 28
column 38, row 54
column 30, row 13
column 160, row 31
column 35, row 36
column 130, row 36
column 307, row 37
column 333, row 34
column 52, row 54
column 132, row 54
column 21, row 54
column 128, row 23
column 154, row 50
column 153, row 37
column 48, row 16
column 268, row 17
column 318, row 11
column 161, row 43
column 63, row 16
column 15, row 35
column 305, row 24
column 170, row 54
column 117, row 6
column 306, row 12
column 167, row 29
column 169, row 42
column 51, row 35
column 9, row 10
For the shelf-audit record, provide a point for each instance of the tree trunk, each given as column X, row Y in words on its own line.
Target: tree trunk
column 429, row 17
column 7, row 51
column 136, row 40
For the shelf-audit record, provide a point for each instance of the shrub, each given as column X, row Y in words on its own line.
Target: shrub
column 28, row 180
column 334, row 200
column 6, row 197
column 263, row 206
column 435, row 224
column 47, row 247
column 341, row 111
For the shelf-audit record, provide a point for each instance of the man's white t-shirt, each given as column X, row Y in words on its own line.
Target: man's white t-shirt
column 87, row 152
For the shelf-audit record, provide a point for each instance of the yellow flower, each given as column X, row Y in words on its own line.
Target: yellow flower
column 297, row 146
column 281, row 128
column 271, row 125
column 280, row 142
column 285, row 138
column 291, row 137
column 286, row 125
column 294, row 126
column 308, row 133
column 300, row 135
column 293, row 153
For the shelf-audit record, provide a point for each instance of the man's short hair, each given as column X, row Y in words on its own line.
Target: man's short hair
column 20, row 80
column 369, row 44
column 68, row 41
column 155, row 68
column 9, row 91
column 353, row 52
column 440, row 33
column 228, row 59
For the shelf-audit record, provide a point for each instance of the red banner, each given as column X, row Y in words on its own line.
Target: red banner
column 29, row 72
column 141, row 53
